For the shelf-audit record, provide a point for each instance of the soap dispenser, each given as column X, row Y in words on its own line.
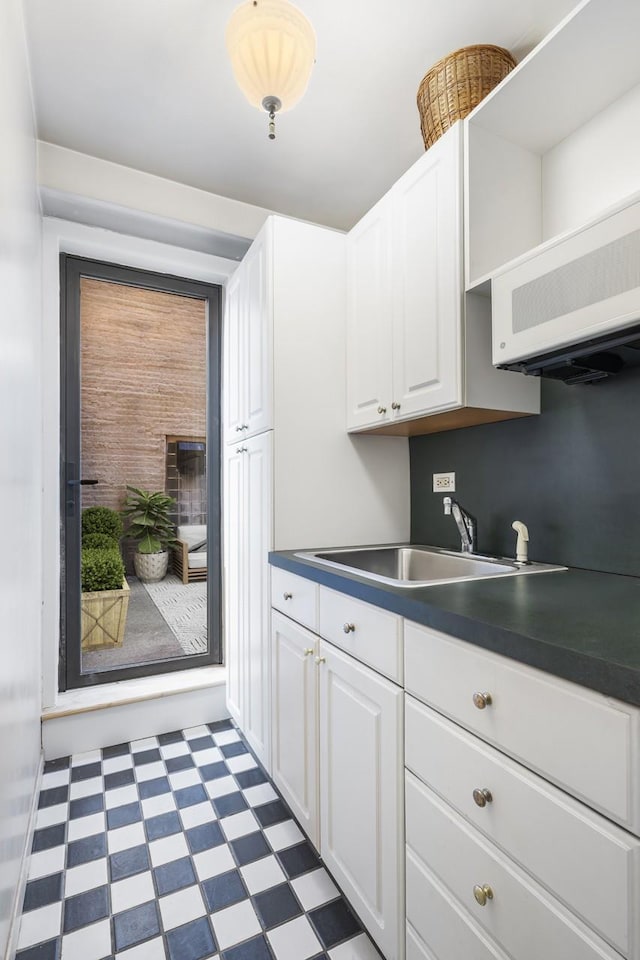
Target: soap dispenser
column 522, row 543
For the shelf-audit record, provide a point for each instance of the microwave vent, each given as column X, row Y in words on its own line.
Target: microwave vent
column 610, row 270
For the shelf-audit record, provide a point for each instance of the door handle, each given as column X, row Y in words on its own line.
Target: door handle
column 82, row 483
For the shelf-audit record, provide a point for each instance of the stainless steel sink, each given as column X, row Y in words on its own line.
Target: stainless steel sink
column 420, row 566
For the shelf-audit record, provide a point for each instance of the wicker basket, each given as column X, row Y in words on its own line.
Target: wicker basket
column 456, row 84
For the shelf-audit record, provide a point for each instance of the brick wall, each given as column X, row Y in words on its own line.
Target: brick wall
column 144, row 376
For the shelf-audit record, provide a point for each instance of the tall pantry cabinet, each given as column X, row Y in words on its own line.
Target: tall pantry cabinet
column 293, row 478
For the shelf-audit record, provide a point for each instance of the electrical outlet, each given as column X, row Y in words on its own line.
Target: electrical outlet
column 444, row 482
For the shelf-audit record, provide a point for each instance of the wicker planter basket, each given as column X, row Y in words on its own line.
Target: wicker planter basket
column 104, row 616
column 456, row 84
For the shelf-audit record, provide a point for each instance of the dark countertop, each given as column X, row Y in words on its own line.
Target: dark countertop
column 577, row 624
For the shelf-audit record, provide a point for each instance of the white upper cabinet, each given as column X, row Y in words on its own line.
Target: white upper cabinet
column 418, row 350
column 258, row 326
column 234, row 361
column 369, row 337
column 403, row 339
column 557, row 143
column 248, row 392
column 427, row 299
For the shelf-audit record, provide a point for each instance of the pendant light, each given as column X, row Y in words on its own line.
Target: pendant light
column 272, row 47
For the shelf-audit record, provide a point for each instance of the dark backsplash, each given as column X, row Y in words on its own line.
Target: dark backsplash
column 571, row 474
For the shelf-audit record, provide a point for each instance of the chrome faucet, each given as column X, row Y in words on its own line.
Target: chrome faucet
column 466, row 523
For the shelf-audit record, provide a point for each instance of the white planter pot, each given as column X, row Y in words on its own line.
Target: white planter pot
column 151, row 567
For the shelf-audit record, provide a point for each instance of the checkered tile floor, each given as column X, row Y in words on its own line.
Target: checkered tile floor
column 177, row 847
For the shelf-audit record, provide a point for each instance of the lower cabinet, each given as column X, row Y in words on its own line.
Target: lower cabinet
column 508, row 855
column 361, row 801
column 500, row 840
column 337, row 758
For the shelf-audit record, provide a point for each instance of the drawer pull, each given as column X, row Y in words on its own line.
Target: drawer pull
column 308, row 651
column 349, row 627
column 482, row 797
column 482, row 700
column 287, row 596
column 482, row 894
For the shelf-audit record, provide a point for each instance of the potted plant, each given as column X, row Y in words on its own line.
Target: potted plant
column 105, row 591
column 101, row 520
column 149, row 523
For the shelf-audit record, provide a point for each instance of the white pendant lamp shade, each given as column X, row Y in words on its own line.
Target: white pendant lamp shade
column 272, row 47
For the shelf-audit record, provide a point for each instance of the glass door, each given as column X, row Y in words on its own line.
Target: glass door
column 140, row 473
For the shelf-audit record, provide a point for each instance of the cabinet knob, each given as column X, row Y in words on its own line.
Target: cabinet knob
column 287, row 596
column 481, row 797
column 349, row 627
column 239, row 428
column 320, row 660
column 308, row 651
column 241, row 449
column 395, row 405
column 245, row 426
column 482, row 894
column 482, row 700
column 382, row 409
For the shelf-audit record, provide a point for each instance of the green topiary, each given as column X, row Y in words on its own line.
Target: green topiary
column 102, row 569
column 99, row 541
column 101, row 520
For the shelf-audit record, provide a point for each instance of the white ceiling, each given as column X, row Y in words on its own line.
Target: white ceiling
column 147, row 83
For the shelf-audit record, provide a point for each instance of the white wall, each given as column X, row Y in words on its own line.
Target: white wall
column 76, row 173
column 20, row 459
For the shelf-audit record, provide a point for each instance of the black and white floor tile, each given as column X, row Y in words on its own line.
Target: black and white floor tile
column 177, row 847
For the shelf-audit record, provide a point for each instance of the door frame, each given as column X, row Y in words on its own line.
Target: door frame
column 72, row 269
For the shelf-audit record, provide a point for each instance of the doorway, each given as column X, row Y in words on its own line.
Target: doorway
column 140, row 474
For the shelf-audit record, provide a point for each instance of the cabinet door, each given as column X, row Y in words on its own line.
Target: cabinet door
column 257, row 297
column 234, row 579
column 361, row 793
column 233, row 388
column 294, row 712
column 427, row 281
column 257, row 523
column 369, row 320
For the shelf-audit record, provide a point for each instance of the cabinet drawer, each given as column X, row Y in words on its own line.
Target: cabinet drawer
column 581, row 740
column 438, row 928
column 521, row 917
column 295, row 596
column 554, row 837
column 368, row 633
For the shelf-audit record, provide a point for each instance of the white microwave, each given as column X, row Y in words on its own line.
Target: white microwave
column 580, row 288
